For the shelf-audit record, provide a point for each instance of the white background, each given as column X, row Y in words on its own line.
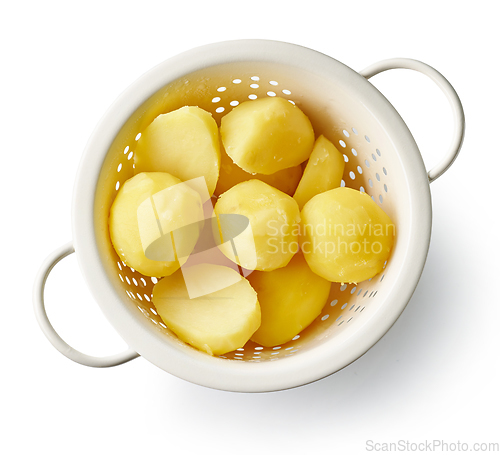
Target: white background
column 435, row 375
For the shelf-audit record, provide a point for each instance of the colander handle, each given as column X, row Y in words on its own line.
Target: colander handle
column 446, row 88
column 49, row 331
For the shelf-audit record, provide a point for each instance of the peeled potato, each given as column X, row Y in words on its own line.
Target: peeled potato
column 323, row 171
column 345, row 236
column 230, row 174
column 151, row 212
column 184, row 143
column 216, row 323
column 290, row 299
column 271, row 239
column 267, row 135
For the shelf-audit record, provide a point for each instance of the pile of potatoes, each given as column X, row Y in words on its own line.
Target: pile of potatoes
column 247, row 223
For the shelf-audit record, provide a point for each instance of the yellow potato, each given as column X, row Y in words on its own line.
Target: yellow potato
column 290, row 299
column 216, row 323
column 323, row 171
column 184, row 143
column 230, row 174
column 151, row 212
column 271, row 239
column 267, row 135
column 345, row 236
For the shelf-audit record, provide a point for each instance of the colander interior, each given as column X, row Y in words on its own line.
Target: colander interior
column 372, row 165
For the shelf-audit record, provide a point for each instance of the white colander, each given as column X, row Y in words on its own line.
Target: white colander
column 381, row 157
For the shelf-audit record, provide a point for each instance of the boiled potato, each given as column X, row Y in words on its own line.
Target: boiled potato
column 184, row 143
column 230, row 174
column 323, row 171
column 216, row 323
column 290, row 299
column 345, row 236
column 151, row 212
column 271, row 239
column 267, row 135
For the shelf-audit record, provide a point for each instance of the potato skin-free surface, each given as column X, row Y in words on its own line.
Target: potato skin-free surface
column 323, row 171
column 216, row 323
column 230, row 175
column 184, row 143
column 267, row 135
column 290, row 299
column 176, row 205
column 274, row 220
column 345, row 236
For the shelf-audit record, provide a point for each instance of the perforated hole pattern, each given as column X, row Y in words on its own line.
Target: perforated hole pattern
column 363, row 171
